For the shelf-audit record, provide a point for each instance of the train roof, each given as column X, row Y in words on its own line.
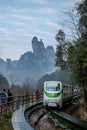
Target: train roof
column 55, row 83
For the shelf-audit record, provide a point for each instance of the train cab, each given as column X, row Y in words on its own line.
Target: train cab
column 52, row 93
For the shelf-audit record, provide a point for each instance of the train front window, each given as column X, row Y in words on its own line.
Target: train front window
column 58, row 87
column 53, row 88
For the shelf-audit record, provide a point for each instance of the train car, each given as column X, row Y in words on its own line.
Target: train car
column 67, row 93
column 77, row 93
column 56, row 93
column 52, row 93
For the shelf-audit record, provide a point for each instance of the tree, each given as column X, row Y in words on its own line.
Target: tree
column 77, row 48
column 61, row 50
column 3, row 82
column 82, row 46
column 82, row 10
column 78, row 57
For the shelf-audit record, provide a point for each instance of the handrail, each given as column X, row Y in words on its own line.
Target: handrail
column 19, row 100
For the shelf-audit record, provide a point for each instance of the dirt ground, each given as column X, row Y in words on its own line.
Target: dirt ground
column 47, row 124
column 79, row 110
column 82, row 111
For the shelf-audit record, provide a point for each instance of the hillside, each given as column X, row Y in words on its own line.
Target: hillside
column 64, row 76
column 31, row 65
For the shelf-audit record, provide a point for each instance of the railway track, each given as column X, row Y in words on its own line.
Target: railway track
column 43, row 119
column 37, row 117
column 66, row 121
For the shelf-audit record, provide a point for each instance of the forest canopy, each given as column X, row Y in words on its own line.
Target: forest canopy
column 72, row 54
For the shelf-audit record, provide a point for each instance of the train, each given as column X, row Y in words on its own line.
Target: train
column 57, row 94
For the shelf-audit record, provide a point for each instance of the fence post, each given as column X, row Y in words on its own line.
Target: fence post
column 23, row 99
column 32, row 98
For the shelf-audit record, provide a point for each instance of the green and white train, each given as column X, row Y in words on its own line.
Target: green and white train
column 56, row 93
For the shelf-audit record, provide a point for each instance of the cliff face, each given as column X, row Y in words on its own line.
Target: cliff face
column 37, row 46
column 42, row 54
column 31, row 65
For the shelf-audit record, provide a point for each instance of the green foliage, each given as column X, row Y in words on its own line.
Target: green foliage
column 63, row 76
column 77, row 49
column 82, row 25
column 60, row 37
column 3, row 82
column 77, row 57
column 61, row 50
column 7, row 114
column 5, row 123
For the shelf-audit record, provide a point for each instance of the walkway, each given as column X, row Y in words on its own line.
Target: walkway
column 18, row 120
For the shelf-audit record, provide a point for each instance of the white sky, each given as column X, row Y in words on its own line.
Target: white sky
column 21, row 20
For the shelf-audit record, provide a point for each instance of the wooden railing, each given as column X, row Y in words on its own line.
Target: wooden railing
column 19, row 100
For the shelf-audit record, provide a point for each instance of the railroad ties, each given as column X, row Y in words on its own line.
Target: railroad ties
column 67, row 121
column 61, row 119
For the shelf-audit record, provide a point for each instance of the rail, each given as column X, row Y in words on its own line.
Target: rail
column 30, row 110
column 20, row 116
column 61, row 119
column 67, row 121
column 18, row 101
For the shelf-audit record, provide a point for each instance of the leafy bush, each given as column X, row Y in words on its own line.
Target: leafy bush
column 7, row 115
column 5, row 123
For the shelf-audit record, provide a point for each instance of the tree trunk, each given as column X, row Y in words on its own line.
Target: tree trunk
column 85, row 92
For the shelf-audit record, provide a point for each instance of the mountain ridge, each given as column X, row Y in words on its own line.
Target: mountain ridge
column 31, row 65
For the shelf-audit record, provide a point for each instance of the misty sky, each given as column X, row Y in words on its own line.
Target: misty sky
column 21, row 20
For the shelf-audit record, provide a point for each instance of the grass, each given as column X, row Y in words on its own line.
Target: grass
column 5, row 121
